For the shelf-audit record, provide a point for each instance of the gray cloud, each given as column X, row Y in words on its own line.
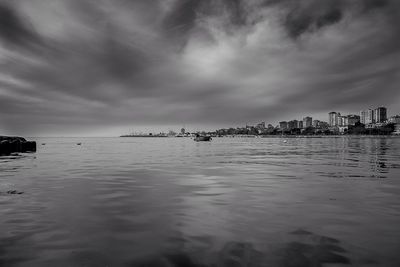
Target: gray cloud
column 15, row 31
column 69, row 64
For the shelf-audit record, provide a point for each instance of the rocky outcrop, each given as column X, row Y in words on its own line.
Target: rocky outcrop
column 11, row 144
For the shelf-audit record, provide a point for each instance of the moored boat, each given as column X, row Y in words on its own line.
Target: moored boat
column 202, row 138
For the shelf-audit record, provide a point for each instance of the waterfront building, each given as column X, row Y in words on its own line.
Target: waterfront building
column 342, row 121
column 307, row 122
column 352, row 120
column 320, row 124
column 397, row 129
column 333, row 118
column 394, row 119
column 380, row 115
column 292, row 124
column 283, row 125
column 261, row 126
column 370, row 116
column 300, row 124
column 363, row 115
column 367, row 116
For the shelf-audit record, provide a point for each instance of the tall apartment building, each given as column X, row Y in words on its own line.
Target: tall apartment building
column 380, row 115
column 333, row 118
column 307, row 122
column 300, row 124
column 363, row 115
column 342, row 121
column 367, row 116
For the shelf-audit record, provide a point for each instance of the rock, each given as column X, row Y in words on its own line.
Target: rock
column 5, row 147
column 14, row 192
column 12, row 144
column 29, row 146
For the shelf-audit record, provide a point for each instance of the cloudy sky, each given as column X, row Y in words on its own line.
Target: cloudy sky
column 108, row 67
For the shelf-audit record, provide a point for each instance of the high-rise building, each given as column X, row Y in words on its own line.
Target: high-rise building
column 333, row 118
column 363, row 115
column 307, row 122
column 370, row 116
column 380, row 115
column 367, row 116
column 342, row 121
column 300, row 124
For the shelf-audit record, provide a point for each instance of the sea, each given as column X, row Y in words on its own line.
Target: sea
column 276, row 201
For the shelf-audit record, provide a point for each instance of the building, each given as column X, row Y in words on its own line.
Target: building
column 261, row 126
column 333, row 118
column 394, row 119
column 397, row 129
column 307, row 122
column 300, row 124
column 315, row 123
column 367, row 116
column 380, row 115
column 293, row 124
column 283, row 125
column 370, row 116
column 352, row 120
column 363, row 115
column 342, row 121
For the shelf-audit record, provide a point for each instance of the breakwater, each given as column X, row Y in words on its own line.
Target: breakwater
column 12, row 144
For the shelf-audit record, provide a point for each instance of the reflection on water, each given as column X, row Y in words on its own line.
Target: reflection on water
column 175, row 202
column 306, row 249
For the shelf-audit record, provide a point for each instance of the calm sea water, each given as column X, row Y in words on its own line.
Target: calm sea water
column 175, row 202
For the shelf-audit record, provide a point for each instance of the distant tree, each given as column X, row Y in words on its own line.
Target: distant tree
column 309, row 131
column 358, row 128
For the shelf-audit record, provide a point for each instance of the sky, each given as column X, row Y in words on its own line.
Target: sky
column 110, row 67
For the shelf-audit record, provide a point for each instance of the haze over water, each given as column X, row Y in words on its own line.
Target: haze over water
column 175, row 202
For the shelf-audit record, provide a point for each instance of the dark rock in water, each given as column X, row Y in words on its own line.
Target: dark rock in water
column 5, row 147
column 12, row 144
column 14, row 192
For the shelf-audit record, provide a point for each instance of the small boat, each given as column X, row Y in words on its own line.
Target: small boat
column 202, row 138
column 79, row 144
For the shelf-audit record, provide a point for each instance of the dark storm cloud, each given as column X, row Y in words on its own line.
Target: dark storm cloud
column 75, row 63
column 14, row 30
